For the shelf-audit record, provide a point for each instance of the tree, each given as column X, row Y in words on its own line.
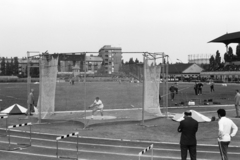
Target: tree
column 136, row 61
column 230, row 54
column 238, row 51
column 8, row 69
column 217, row 58
column 15, row 66
column 211, row 60
column 131, row 61
column 3, row 66
column 226, row 57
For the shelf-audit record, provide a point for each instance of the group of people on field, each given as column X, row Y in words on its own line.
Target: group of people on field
column 198, row 88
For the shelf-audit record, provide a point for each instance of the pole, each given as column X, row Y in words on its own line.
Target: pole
column 167, row 85
column 6, row 125
column 30, row 136
column 163, row 81
column 57, row 148
column 152, row 153
column 77, row 145
column 40, row 91
column 144, row 81
column 8, row 139
column 85, row 97
column 28, row 81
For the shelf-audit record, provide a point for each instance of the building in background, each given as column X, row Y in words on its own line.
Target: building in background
column 184, row 71
column 112, row 58
column 199, row 58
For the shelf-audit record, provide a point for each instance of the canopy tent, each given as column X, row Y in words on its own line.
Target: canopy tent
column 15, row 109
column 227, row 38
column 195, row 115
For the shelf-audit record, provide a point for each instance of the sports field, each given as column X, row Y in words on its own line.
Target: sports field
column 125, row 95
column 114, row 95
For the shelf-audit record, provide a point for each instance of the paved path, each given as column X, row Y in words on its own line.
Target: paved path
column 44, row 147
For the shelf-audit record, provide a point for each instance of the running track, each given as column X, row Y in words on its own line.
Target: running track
column 44, row 147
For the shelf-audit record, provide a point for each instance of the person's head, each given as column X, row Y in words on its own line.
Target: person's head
column 97, row 98
column 237, row 91
column 221, row 113
column 187, row 113
column 32, row 90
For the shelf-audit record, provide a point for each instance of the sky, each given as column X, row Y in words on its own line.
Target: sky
column 176, row 27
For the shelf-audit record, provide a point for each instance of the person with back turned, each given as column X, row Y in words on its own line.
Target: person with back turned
column 188, row 142
column 30, row 102
column 226, row 130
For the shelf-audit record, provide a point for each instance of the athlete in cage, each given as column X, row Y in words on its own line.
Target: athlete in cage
column 97, row 105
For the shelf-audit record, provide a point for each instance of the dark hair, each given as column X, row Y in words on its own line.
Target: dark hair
column 237, row 90
column 97, row 97
column 221, row 112
column 187, row 113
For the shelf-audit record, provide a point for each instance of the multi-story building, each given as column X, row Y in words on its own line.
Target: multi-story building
column 112, row 58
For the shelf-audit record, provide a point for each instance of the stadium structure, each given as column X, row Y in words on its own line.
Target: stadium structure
column 229, row 72
column 199, row 58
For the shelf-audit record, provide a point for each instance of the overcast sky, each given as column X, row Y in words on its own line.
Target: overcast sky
column 176, row 27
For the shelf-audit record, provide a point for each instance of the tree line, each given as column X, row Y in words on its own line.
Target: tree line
column 9, row 66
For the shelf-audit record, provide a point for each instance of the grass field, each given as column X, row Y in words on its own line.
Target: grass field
column 116, row 95
column 113, row 95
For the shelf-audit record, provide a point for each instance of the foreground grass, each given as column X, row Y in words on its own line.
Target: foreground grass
column 158, row 130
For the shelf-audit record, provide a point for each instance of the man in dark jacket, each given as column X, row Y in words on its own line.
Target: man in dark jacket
column 188, row 127
column 172, row 92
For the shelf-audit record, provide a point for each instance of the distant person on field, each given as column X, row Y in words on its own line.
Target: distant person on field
column 72, row 81
column 226, row 130
column 30, row 102
column 212, row 86
column 97, row 105
column 176, row 88
column 196, row 88
column 188, row 142
column 172, row 92
column 237, row 103
column 200, row 86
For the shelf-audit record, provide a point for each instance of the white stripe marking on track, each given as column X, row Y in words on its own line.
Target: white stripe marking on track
column 32, row 154
column 88, row 151
column 107, row 145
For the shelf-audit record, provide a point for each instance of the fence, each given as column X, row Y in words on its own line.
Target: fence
column 145, row 150
column 23, row 145
column 66, row 136
column 5, row 117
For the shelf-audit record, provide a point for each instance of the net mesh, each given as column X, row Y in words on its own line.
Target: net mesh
column 48, row 86
column 151, row 81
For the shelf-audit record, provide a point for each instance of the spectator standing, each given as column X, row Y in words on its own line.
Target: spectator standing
column 212, row 86
column 237, row 103
column 226, row 130
column 200, row 86
column 196, row 88
column 30, row 102
column 172, row 92
column 176, row 88
column 188, row 142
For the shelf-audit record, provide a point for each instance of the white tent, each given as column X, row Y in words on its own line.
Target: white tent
column 195, row 115
column 15, row 109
